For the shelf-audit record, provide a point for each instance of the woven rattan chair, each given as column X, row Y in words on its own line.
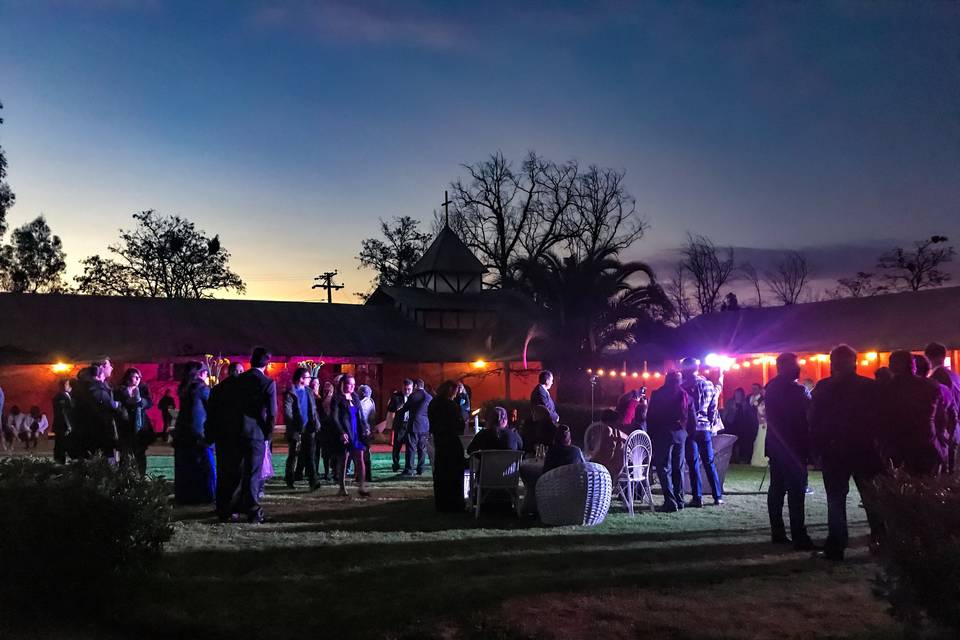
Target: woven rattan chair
column 574, row 494
column 638, row 453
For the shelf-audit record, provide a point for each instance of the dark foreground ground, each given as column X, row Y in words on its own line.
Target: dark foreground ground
column 390, row 567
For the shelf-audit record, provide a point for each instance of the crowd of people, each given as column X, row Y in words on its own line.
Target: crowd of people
column 851, row 426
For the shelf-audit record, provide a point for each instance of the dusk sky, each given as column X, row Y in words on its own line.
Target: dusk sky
column 290, row 127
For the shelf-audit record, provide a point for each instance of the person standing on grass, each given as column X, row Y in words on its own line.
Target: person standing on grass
column 667, row 426
column 446, row 427
column 354, row 434
column 937, row 355
column 418, row 432
column 224, row 413
column 369, row 410
column 700, row 420
column 300, row 420
column 844, row 413
column 194, row 473
column 918, row 416
column 329, row 441
column 101, row 411
column 166, row 406
column 788, row 448
column 543, row 414
column 400, row 421
column 62, row 421
column 257, row 394
column 133, row 425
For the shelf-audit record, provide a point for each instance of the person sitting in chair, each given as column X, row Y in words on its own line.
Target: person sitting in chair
column 563, row 451
column 497, row 434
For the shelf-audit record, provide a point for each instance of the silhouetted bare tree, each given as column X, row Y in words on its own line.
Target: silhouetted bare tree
column 749, row 273
column 394, row 256
column 710, row 269
column 789, row 277
column 7, row 197
column 676, row 291
column 606, row 218
column 920, row 268
column 862, row 285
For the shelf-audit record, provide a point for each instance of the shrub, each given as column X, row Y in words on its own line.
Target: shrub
column 920, row 552
column 69, row 530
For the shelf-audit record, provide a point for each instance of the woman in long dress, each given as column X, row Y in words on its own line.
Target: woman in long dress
column 194, row 475
column 759, row 459
column 446, row 426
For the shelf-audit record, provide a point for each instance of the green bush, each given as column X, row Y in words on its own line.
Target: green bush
column 920, row 551
column 68, row 531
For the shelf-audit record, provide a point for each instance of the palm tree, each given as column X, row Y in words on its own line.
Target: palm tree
column 592, row 305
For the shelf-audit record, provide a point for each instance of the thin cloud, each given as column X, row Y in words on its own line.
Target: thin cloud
column 361, row 22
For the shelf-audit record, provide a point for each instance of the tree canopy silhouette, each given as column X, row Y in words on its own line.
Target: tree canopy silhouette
column 34, row 261
column 7, row 196
column 394, row 256
column 161, row 257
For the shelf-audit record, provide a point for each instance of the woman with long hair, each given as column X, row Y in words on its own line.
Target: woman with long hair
column 446, row 425
column 354, row 433
column 133, row 426
column 194, row 478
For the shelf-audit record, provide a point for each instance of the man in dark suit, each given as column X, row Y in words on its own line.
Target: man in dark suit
column 937, row 355
column 543, row 414
column 843, row 418
column 300, row 421
column 788, row 447
column 418, row 430
column 224, row 416
column 101, row 411
column 62, row 421
column 258, row 402
column 667, row 426
column 400, row 421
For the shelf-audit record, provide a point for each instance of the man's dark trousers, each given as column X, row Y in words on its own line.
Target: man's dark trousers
column 668, row 454
column 399, row 440
column 251, row 454
column 228, row 477
column 788, row 477
column 700, row 448
column 836, row 484
column 416, row 443
column 301, row 449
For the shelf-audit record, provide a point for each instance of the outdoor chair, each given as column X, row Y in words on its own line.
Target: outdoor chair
column 493, row 471
column 638, row 453
column 577, row 494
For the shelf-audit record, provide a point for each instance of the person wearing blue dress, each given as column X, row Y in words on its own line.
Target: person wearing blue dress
column 353, row 433
column 194, row 471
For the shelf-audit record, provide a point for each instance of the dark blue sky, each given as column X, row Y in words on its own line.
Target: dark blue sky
column 290, row 127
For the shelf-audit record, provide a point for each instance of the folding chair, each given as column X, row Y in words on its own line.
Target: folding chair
column 494, row 470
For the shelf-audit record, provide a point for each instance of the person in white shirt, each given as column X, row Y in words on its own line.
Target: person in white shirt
column 36, row 425
column 14, row 428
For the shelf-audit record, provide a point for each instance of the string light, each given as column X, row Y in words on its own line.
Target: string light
column 656, row 374
column 623, row 374
column 589, row 370
column 822, row 357
column 802, row 361
column 599, row 372
column 613, row 374
column 746, row 364
column 635, row 374
column 646, row 375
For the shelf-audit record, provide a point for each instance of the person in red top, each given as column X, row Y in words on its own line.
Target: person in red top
column 915, row 418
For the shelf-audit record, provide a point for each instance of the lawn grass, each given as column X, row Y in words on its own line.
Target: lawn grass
column 389, row 566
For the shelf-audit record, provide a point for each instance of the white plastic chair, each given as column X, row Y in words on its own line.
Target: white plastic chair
column 638, row 453
column 494, row 470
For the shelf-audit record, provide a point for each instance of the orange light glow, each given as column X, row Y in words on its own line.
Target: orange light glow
column 656, row 374
column 802, row 361
column 746, row 364
column 757, row 361
column 646, row 375
column 479, row 364
column 735, row 366
column 599, row 372
column 822, row 357
column 589, row 370
column 864, row 363
column 613, row 374
column 623, row 374
column 635, row 374
column 61, row 367
column 872, row 355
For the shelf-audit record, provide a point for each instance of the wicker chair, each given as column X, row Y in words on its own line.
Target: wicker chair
column 638, row 453
column 574, row 494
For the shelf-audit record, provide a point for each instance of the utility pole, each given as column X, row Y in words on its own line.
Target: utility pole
column 326, row 282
